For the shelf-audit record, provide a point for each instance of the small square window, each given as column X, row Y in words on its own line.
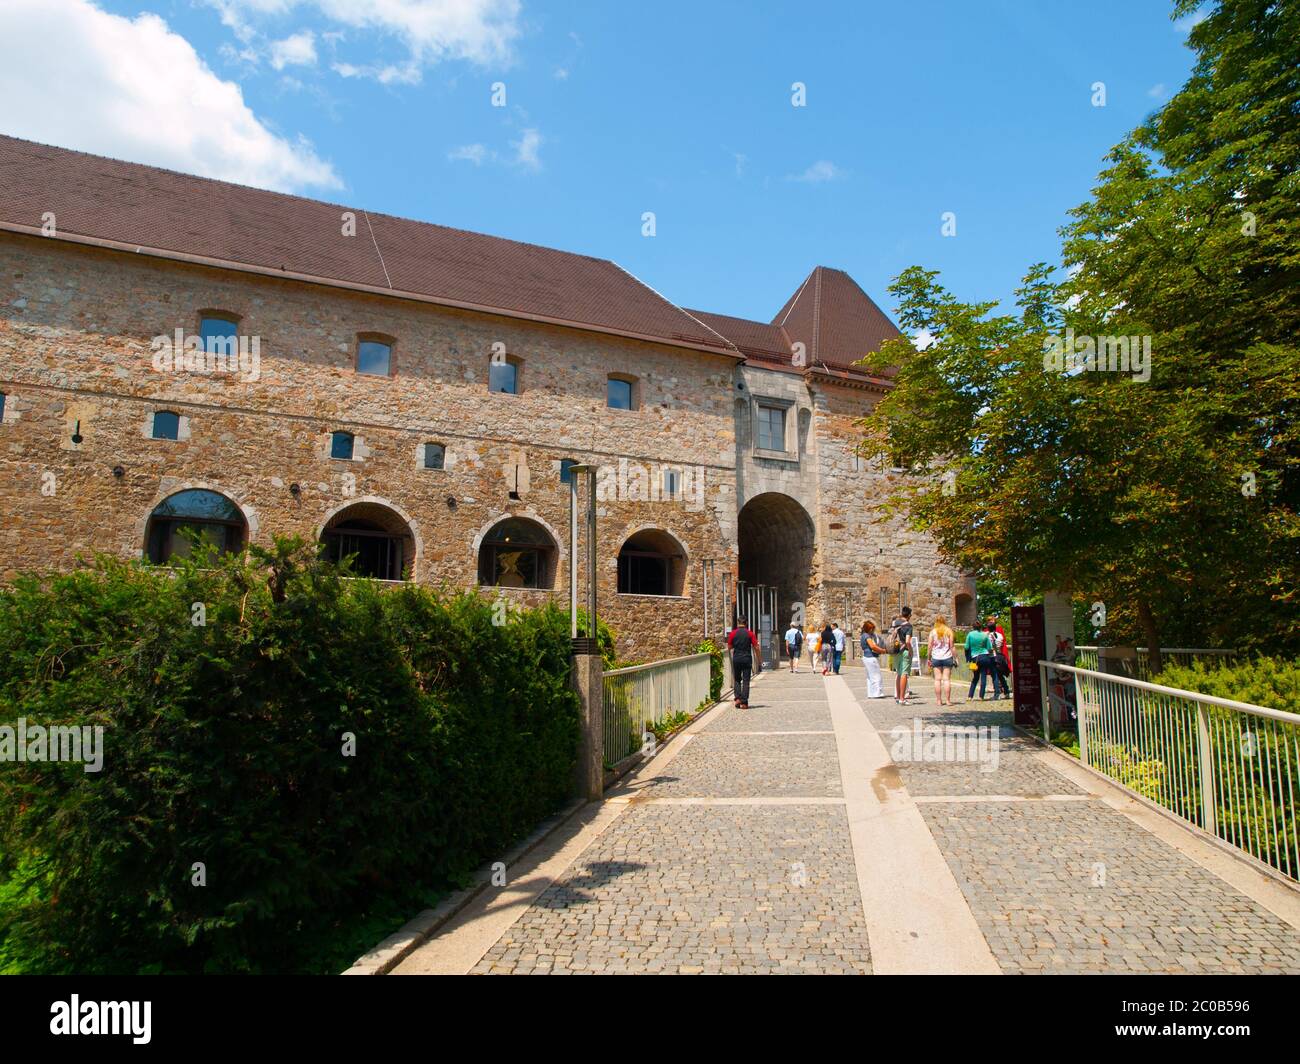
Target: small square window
column 503, row 377
column 771, row 428
column 435, row 456
column 341, row 446
column 220, row 335
column 619, row 394
column 374, row 357
column 166, row 425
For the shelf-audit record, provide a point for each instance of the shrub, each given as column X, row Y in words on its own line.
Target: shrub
column 1271, row 682
column 708, row 646
column 224, row 745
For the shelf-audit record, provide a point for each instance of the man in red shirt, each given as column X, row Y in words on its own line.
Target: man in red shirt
column 743, row 645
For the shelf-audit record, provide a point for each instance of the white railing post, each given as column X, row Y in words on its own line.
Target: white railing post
column 1208, row 817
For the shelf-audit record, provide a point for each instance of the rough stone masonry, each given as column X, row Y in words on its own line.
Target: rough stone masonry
column 754, row 420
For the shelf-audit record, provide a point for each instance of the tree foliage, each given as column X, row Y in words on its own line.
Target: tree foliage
column 1171, row 499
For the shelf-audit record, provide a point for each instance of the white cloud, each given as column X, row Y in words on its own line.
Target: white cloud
column 1157, row 91
column 78, row 77
column 480, row 31
column 298, row 49
column 1187, row 23
column 527, row 148
column 561, row 74
column 472, row 153
column 923, row 338
column 822, row 170
column 741, row 161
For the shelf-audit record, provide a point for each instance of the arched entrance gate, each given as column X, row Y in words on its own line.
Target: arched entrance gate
column 775, row 536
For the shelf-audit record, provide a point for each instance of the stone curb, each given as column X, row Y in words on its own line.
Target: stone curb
column 413, row 934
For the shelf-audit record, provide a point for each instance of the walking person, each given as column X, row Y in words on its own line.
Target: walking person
column 900, row 646
column 828, row 648
column 814, row 644
column 838, row 647
column 979, row 653
column 871, row 647
column 743, row 645
column 942, row 659
column 1000, row 666
column 794, row 645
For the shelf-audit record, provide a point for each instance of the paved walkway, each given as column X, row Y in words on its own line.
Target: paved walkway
column 785, row 838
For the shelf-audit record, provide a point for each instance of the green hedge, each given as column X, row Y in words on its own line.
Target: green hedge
column 1271, row 682
column 224, row 744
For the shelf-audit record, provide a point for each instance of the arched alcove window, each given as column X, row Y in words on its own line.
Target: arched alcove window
column 377, row 539
column 196, row 511
column 517, row 553
column 651, row 562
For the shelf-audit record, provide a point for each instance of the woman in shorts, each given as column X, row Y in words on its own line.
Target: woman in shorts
column 942, row 659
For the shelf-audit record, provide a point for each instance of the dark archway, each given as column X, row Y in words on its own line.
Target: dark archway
column 776, row 538
column 377, row 539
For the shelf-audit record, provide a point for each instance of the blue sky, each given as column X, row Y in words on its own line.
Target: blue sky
column 613, row 109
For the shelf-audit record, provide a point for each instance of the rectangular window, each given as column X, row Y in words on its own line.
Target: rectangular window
column 434, row 455
column 619, row 394
column 503, row 377
column 341, row 446
column 566, row 470
column 2, row 406
column 771, row 428
column 672, row 482
column 374, row 357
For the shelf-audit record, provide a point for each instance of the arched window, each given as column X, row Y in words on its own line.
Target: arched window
column 374, row 355
column 620, row 392
column 651, row 562
column 219, row 332
column 166, row 425
column 178, row 518
column 375, row 538
column 517, row 553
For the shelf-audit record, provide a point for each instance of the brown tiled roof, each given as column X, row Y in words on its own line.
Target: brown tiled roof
column 176, row 215
column 837, row 321
column 756, row 340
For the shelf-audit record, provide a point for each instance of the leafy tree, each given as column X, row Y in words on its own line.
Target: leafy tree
column 1167, row 491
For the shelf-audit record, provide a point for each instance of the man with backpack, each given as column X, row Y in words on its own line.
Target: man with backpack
column 900, row 651
column 743, row 645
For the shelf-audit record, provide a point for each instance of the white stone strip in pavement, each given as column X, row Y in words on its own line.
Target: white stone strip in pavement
column 918, row 921
column 1280, row 898
column 775, row 733
column 925, row 799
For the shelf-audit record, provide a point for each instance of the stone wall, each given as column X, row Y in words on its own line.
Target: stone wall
column 76, row 360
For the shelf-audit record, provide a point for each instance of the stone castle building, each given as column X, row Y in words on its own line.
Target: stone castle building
column 177, row 352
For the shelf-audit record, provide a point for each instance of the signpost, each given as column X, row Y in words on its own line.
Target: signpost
column 1028, row 647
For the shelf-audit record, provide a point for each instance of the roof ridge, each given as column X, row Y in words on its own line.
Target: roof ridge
column 683, row 310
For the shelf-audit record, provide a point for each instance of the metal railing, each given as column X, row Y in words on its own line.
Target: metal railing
column 639, row 695
column 1228, row 767
column 1088, row 657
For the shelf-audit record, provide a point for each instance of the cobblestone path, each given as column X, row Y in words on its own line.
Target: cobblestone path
column 733, row 852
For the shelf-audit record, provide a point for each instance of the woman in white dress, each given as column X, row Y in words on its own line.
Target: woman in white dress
column 871, row 646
